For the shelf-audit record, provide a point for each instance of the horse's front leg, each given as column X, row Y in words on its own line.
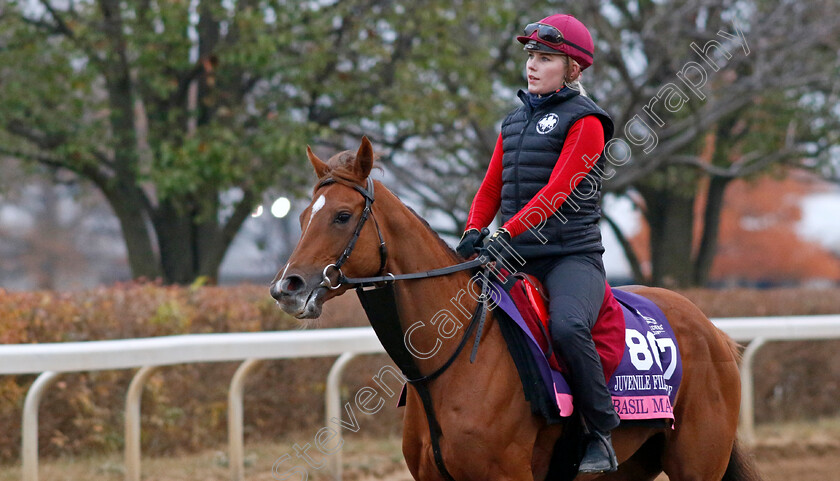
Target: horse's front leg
column 476, row 445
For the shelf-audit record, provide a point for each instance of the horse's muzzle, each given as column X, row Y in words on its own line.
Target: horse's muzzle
column 295, row 297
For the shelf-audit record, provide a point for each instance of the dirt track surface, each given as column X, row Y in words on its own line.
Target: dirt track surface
column 796, row 461
column 802, row 458
column 777, row 460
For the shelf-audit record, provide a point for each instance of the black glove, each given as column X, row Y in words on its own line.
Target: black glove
column 467, row 245
column 497, row 245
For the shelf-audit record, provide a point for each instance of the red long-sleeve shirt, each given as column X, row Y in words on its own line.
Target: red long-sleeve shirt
column 585, row 140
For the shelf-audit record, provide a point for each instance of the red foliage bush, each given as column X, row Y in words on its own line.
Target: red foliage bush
column 185, row 406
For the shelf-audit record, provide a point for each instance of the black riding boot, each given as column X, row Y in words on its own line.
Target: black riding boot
column 594, row 401
column 599, row 456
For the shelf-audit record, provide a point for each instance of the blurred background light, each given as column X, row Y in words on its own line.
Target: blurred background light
column 280, row 207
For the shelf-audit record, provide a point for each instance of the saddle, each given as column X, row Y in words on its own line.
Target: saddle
column 528, row 294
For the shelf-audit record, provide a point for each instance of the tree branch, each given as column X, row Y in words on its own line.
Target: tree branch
column 629, row 251
column 84, row 169
column 61, row 25
column 240, row 213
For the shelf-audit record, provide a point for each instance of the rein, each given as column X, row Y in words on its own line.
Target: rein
column 380, row 305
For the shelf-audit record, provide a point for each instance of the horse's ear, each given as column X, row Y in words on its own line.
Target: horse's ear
column 364, row 158
column 319, row 165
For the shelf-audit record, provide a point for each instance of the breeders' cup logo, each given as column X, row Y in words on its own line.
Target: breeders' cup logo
column 547, row 123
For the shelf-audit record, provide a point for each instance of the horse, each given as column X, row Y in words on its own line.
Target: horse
column 487, row 430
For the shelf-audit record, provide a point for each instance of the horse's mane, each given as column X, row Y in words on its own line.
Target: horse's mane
column 452, row 254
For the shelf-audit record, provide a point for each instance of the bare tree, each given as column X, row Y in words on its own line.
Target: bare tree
column 701, row 92
column 720, row 96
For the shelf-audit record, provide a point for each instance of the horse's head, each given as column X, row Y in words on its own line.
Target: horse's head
column 328, row 226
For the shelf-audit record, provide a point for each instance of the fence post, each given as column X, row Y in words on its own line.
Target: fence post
column 332, row 397
column 132, row 422
column 748, row 391
column 29, row 438
column 236, row 415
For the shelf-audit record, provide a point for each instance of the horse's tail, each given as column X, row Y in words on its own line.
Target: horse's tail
column 734, row 347
column 741, row 466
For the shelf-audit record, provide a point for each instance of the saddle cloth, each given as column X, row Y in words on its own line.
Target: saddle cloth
column 638, row 350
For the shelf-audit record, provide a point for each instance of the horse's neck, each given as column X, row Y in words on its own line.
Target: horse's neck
column 439, row 302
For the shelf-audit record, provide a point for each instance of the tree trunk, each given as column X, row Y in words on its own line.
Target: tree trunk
column 193, row 245
column 711, row 228
column 176, row 240
column 49, row 230
column 670, row 216
column 127, row 204
column 213, row 247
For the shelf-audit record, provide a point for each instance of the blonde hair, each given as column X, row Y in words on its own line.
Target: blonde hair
column 574, row 84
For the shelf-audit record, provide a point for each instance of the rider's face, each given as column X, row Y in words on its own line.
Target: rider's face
column 546, row 72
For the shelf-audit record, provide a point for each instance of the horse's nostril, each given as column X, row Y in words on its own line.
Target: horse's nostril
column 288, row 286
column 291, row 284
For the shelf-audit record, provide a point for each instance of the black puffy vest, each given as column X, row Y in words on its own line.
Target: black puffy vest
column 532, row 140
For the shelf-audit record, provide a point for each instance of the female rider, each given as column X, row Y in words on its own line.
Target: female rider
column 544, row 176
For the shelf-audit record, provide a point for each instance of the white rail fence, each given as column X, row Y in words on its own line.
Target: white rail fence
column 51, row 360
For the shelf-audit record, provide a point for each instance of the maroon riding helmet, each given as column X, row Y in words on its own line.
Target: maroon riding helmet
column 560, row 34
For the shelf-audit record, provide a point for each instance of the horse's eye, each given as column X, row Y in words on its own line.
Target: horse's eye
column 343, row 217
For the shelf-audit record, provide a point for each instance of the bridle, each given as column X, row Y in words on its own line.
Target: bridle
column 368, row 194
column 367, row 212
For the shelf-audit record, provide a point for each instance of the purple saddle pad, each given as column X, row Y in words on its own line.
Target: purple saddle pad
column 646, row 381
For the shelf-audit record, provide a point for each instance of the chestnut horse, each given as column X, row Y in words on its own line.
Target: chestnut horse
column 488, row 431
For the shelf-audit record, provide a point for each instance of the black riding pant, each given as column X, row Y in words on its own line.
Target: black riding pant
column 575, row 286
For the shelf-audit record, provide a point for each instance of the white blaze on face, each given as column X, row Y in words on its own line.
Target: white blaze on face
column 283, row 276
column 318, row 205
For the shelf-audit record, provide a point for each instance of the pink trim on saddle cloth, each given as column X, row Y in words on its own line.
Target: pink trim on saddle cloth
column 643, row 407
column 564, row 403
